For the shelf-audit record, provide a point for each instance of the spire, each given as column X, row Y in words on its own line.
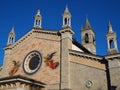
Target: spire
column 11, row 37
column 66, row 18
column 38, row 13
column 110, row 27
column 12, row 31
column 111, row 40
column 87, row 24
column 38, row 20
column 66, row 12
column 88, row 37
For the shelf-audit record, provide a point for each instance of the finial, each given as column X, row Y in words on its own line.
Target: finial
column 66, row 9
column 38, row 12
column 110, row 27
column 87, row 22
column 109, row 24
column 12, row 31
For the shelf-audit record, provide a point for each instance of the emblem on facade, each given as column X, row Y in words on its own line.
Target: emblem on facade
column 89, row 84
column 15, row 68
column 50, row 62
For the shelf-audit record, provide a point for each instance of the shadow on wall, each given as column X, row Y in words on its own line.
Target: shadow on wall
column 113, row 87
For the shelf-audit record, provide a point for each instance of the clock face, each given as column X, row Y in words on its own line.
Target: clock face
column 32, row 62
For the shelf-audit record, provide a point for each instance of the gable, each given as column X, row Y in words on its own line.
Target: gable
column 43, row 41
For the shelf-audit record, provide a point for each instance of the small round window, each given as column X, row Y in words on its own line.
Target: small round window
column 32, row 62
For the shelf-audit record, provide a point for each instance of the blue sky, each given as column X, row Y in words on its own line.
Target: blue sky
column 20, row 14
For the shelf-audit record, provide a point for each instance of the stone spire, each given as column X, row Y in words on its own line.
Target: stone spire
column 12, row 31
column 66, row 12
column 110, row 27
column 111, row 40
column 87, row 24
column 66, row 18
column 38, row 20
column 88, row 37
column 38, row 13
column 11, row 37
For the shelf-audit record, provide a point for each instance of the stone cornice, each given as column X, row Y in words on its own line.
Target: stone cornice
column 20, row 79
column 66, row 29
column 38, row 30
column 109, row 34
column 94, row 57
column 88, row 59
column 113, row 56
column 84, row 30
column 53, row 32
column 34, row 30
column 86, row 55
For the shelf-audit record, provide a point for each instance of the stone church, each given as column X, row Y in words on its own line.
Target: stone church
column 53, row 60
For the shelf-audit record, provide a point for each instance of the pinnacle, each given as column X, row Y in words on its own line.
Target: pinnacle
column 38, row 13
column 67, row 11
column 110, row 27
column 87, row 24
column 109, row 24
column 12, row 31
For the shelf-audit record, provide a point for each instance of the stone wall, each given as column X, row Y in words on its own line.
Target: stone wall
column 81, row 75
column 44, row 43
column 114, row 67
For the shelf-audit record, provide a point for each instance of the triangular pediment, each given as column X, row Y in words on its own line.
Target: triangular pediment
column 38, row 44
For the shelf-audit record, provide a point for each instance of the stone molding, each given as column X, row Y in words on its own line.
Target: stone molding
column 34, row 30
column 113, row 56
column 96, row 58
column 66, row 29
column 53, row 32
column 88, row 59
column 19, row 82
column 86, row 55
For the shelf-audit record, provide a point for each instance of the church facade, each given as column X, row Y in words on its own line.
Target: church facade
column 52, row 60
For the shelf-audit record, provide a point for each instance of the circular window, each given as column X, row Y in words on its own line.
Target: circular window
column 32, row 62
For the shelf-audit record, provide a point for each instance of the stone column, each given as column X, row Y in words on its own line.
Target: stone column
column 66, row 44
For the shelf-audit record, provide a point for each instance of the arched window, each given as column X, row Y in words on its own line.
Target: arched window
column 36, row 22
column 111, row 43
column 86, row 38
column 39, row 23
column 12, row 40
column 65, row 21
